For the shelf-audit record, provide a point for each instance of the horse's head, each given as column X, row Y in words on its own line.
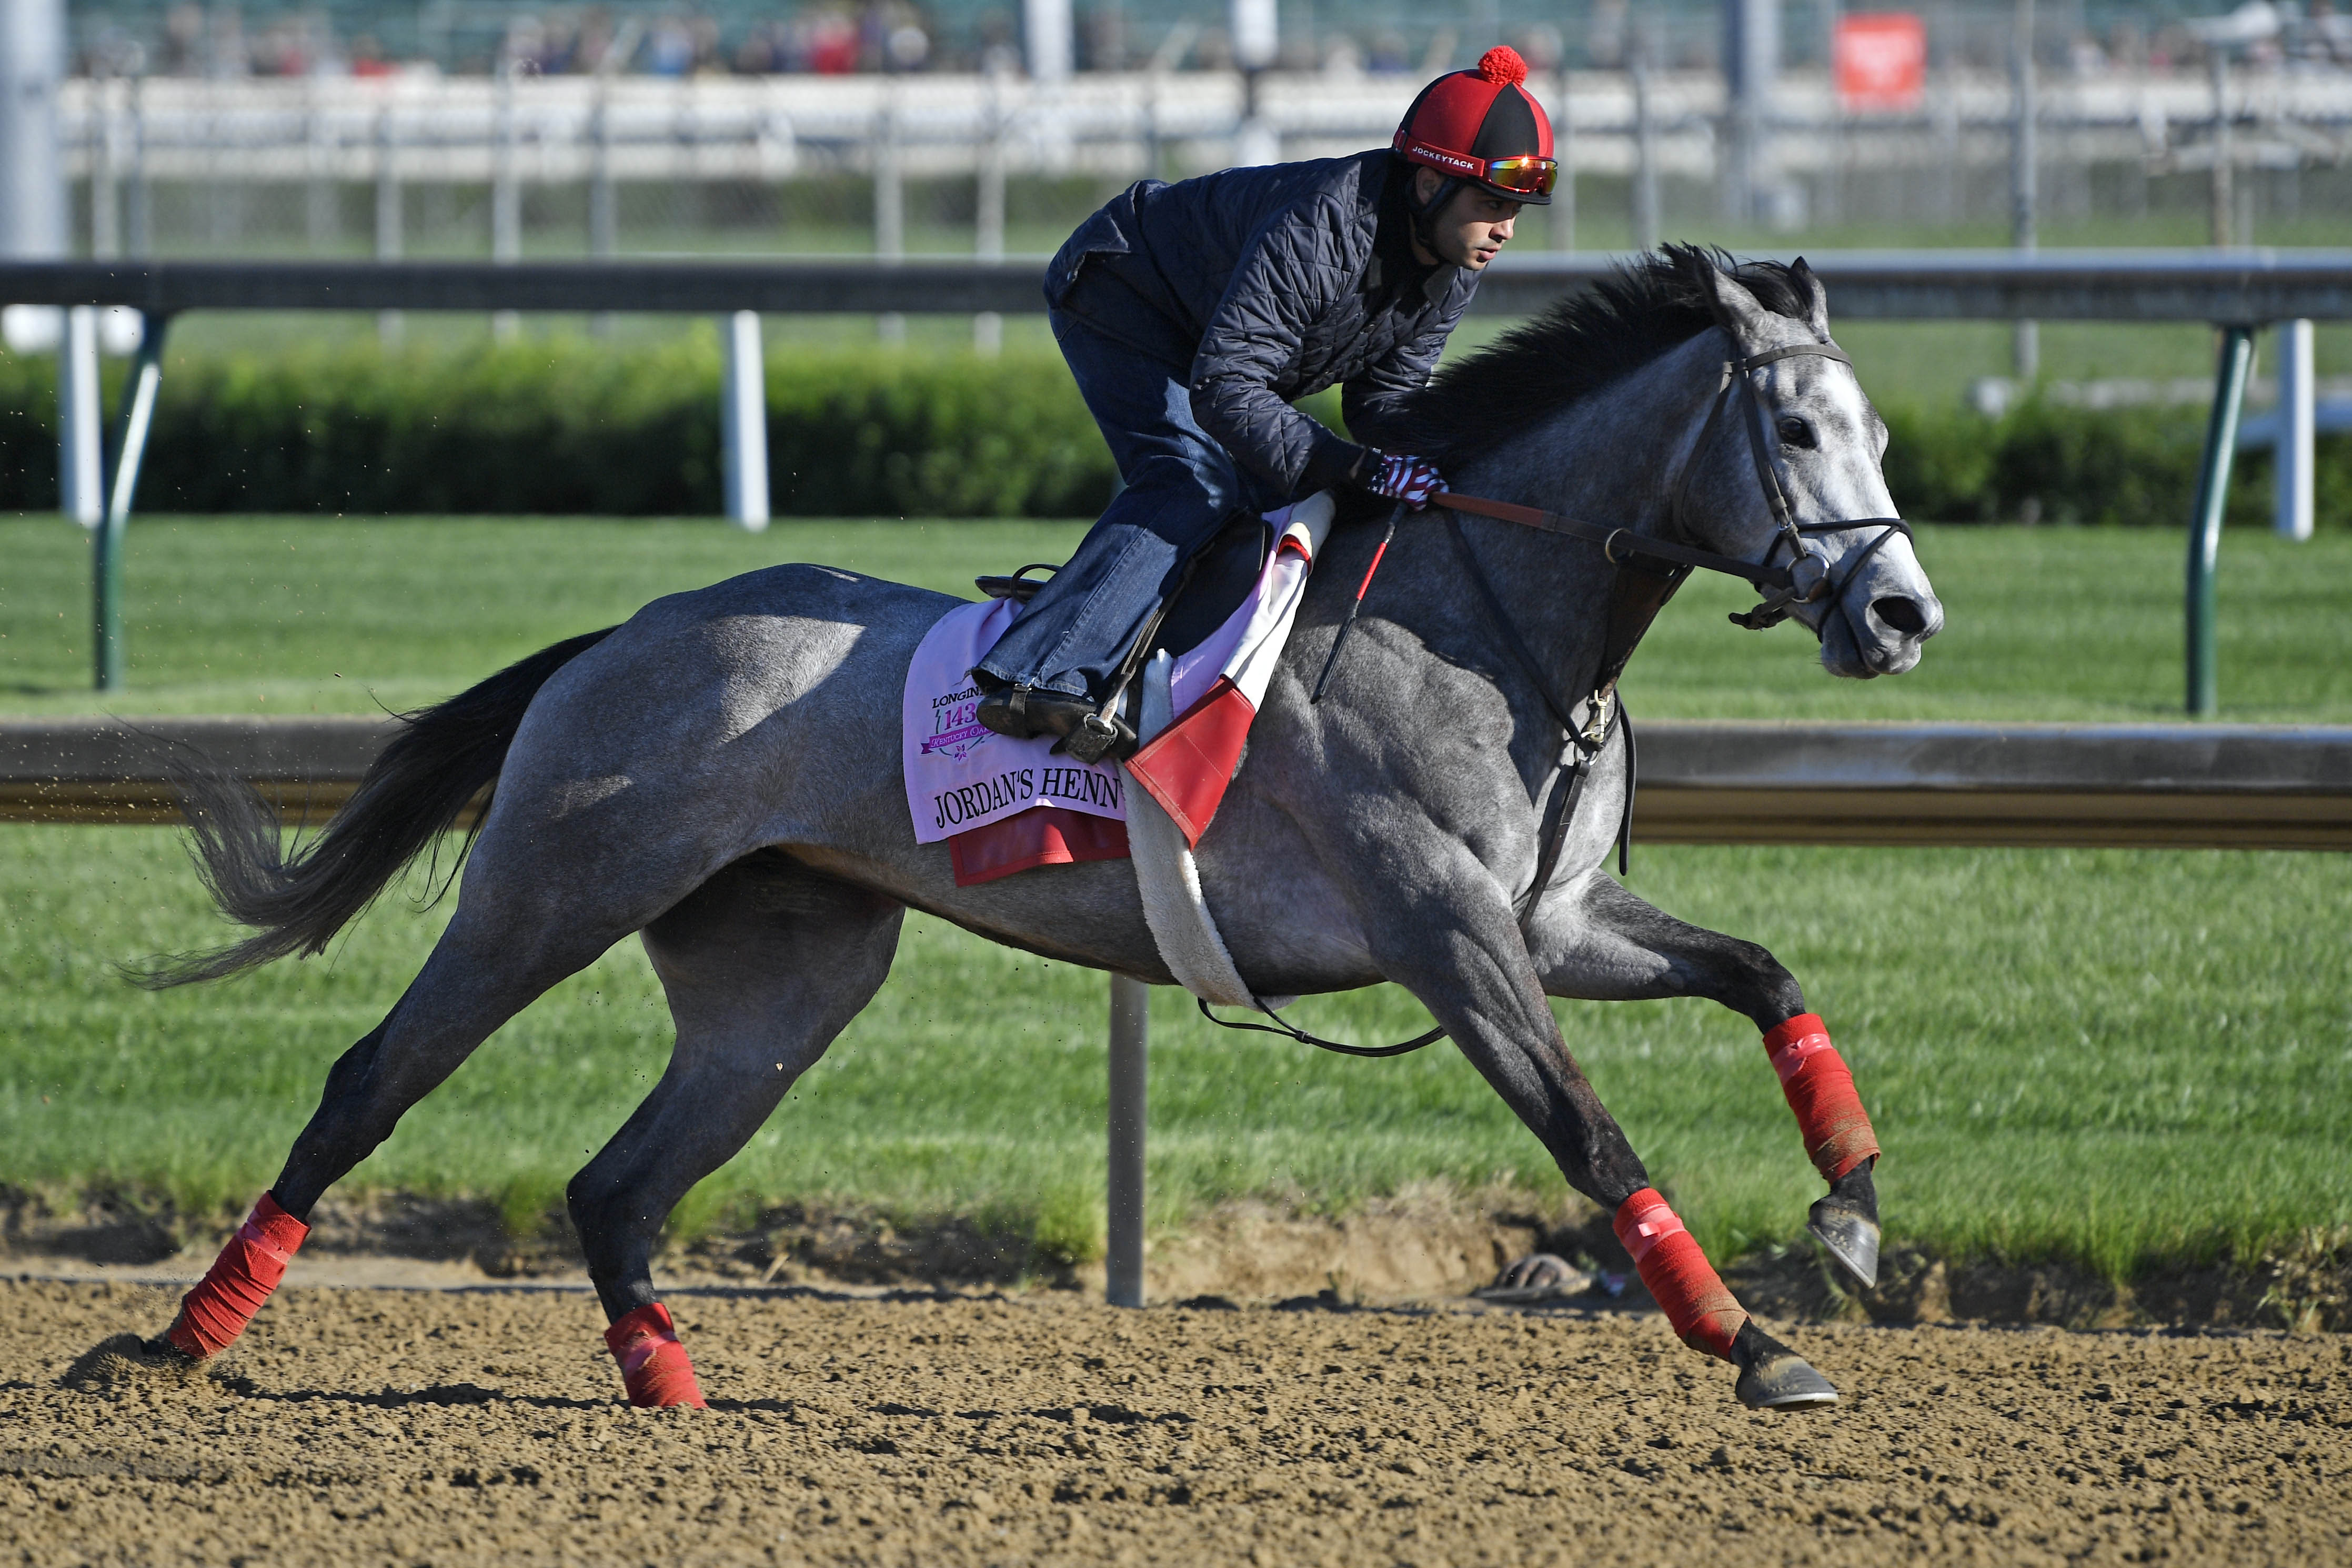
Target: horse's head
column 1816, row 437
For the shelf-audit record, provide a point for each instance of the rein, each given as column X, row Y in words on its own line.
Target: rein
column 1618, row 544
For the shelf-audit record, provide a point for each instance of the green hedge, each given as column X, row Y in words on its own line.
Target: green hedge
column 566, row 426
column 2060, row 464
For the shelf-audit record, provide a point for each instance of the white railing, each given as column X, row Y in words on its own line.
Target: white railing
column 427, row 128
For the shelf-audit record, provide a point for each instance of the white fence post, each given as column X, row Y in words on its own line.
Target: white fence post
column 1645, row 144
column 506, row 189
column 388, row 201
column 1131, row 1023
column 82, row 465
column 2292, row 455
column 889, row 209
column 743, row 421
column 1047, row 32
column 988, row 218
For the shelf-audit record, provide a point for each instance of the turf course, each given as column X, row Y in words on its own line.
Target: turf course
column 2120, row 1059
column 300, row 615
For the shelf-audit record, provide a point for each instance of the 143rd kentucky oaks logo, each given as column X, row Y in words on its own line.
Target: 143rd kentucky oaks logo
column 954, row 731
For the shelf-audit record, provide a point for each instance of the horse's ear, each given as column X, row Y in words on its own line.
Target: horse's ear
column 1737, row 311
column 1816, row 298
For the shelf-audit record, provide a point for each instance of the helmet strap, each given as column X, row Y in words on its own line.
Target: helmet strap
column 1424, row 214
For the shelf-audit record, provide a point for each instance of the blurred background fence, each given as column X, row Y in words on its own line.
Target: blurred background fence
column 422, row 163
column 395, row 127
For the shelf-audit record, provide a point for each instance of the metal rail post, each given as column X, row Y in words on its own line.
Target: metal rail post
column 81, row 463
column 1562, row 211
column 388, row 204
column 889, row 209
column 2024, row 177
column 2212, row 500
column 743, row 421
column 506, row 188
column 988, row 216
column 1645, row 146
column 106, row 563
column 1129, row 1073
column 2293, row 452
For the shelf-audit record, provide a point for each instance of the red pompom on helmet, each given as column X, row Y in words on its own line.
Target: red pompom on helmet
column 1483, row 126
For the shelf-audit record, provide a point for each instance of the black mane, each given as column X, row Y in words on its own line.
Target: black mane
column 1647, row 308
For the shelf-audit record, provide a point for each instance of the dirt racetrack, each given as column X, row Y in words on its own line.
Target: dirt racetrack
column 416, row 1426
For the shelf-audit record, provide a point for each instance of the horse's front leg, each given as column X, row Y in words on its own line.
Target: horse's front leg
column 1451, row 942
column 1596, row 942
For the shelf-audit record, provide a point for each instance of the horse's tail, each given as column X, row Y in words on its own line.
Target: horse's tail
column 413, row 793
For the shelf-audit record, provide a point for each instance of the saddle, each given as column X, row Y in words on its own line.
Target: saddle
column 1212, row 584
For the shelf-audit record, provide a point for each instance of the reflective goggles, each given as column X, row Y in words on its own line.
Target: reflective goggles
column 1525, row 175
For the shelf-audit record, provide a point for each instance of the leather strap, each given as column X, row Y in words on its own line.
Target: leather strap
column 1621, row 546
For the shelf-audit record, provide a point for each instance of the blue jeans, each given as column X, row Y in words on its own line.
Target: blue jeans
column 1181, row 487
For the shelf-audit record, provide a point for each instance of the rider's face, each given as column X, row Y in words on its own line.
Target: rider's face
column 1469, row 229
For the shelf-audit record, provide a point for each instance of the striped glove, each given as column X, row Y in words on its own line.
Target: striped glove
column 1397, row 477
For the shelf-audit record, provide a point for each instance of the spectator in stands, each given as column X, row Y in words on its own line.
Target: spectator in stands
column 670, row 48
column 831, row 43
column 367, row 56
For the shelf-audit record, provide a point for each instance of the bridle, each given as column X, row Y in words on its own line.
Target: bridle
column 1806, row 580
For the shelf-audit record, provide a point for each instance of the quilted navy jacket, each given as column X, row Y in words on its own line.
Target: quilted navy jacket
column 1271, row 284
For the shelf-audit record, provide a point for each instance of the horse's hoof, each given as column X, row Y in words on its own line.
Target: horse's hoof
column 1851, row 1238
column 1784, row 1382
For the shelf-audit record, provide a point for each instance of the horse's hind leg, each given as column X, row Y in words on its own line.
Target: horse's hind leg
column 1603, row 944
column 507, row 944
column 763, row 965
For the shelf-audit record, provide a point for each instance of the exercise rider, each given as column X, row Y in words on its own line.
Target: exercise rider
column 1194, row 314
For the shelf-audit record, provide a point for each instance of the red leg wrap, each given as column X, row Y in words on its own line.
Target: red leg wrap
column 1820, row 1092
column 240, row 1280
column 1677, row 1274
column 654, row 1366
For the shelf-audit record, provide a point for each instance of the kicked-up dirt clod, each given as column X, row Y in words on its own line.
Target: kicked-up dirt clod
column 403, row 1427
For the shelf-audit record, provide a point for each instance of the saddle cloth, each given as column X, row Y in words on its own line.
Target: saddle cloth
column 1006, row 806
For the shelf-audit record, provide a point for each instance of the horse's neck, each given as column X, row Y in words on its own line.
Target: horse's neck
column 1610, row 458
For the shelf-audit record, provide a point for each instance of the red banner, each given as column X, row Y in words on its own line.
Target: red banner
column 1881, row 60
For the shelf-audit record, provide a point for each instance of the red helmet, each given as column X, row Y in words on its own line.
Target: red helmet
column 1484, row 125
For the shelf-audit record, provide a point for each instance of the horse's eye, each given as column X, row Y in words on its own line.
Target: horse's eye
column 1795, row 432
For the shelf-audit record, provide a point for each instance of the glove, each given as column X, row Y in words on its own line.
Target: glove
column 1412, row 480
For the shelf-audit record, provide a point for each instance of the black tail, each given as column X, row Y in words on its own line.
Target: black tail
column 413, row 793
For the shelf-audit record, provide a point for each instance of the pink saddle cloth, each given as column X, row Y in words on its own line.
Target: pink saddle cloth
column 1006, row 806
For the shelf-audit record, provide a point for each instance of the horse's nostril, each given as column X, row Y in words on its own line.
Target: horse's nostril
column 1903, row 614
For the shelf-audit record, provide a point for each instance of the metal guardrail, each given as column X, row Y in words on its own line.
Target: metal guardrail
column 2099, row 785
column 2252, row 287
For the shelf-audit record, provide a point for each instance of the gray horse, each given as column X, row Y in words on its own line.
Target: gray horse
column 721, row 775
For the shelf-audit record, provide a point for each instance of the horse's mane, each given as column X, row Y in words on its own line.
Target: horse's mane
column 1644, row 308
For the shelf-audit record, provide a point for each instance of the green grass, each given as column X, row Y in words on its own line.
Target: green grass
column 300, row 615
column 319, row 616
column 2117, row 1059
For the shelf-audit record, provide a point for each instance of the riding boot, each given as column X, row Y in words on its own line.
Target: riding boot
column 1022, row 712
